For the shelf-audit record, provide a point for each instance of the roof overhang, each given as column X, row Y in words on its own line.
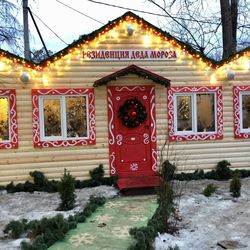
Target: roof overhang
column 133, row 69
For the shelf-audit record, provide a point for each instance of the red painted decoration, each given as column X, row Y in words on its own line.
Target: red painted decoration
column 239, row 133
column 218, row 134
column 13, row 137
column 39, row 142
column 132, row 150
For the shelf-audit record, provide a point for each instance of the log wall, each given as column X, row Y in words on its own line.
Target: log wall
column 71, row 71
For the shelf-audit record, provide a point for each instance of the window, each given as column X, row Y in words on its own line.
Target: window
column 63, row 117
column 195, row 113
column 241, row 111
column 8, row 119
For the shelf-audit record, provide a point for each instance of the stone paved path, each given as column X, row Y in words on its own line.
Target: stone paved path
column 108, row 228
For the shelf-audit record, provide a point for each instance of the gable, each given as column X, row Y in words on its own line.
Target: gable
column 132, row 69
column 132, row 30
column 114, row 36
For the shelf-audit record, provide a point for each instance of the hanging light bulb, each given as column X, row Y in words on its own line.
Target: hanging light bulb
column 213, row 79
column 246, row 64
column 2, row 65
column 146, row 40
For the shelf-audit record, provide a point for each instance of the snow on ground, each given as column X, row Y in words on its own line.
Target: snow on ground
column 205, row 221
column 36, row 205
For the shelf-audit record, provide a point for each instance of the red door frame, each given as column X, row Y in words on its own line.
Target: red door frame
column 111, row 126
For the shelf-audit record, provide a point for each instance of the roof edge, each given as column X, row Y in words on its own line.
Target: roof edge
column 88, row 37
column 187, row 47
column 132, row 69
column 19, row 59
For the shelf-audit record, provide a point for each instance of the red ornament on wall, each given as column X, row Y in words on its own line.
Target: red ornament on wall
column 12, row 141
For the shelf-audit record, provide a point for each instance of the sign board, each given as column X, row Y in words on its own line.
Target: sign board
column 129, row 55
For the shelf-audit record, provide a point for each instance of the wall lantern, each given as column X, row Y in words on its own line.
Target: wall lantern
column 25, row 77
column 130, row 30
column 230, row 75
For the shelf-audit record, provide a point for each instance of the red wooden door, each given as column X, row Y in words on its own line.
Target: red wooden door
column 132, row 138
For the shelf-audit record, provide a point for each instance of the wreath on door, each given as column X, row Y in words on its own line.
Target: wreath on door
column 132, row 113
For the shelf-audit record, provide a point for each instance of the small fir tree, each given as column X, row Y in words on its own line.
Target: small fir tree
column 235, row 186
column 166, row 209
column 66, row 191
column 209, row 190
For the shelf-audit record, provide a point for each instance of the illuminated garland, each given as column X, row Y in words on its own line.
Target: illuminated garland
column 85, row 39
column 132, row 113
column 128, row 16
column 19, row 60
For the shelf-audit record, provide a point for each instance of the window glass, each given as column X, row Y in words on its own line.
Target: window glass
column 246, row 111
column 63, row 117
column 205, row 112
column 52, row 117
column 4, row 119
column 76, row 116
column 195, row 113
column 184, row 113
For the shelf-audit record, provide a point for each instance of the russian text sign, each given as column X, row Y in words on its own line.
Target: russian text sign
column 129, row 55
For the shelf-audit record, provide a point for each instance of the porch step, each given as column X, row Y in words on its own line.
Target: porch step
column 138, row 182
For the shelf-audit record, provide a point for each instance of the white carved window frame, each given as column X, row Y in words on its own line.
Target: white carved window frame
column 38, row 95
column 12, row 142
column 194, row 135
column 239, row 131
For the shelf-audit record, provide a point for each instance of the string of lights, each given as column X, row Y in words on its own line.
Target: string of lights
column 112, row 30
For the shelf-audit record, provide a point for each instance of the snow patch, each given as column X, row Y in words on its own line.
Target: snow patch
column 31, row 206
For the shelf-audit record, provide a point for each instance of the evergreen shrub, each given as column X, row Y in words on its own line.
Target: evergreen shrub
column 97, row 174
column 47, row 231
column 66, row 191
column 235, row 186
column 41, row 183
column 15, row 228
column 163, row 220
column 223, row 171
column 209, row 190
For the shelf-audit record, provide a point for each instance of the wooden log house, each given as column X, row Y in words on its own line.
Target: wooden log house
column 114, row 97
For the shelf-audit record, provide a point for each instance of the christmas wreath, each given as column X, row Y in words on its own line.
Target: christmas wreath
column 132, row 113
